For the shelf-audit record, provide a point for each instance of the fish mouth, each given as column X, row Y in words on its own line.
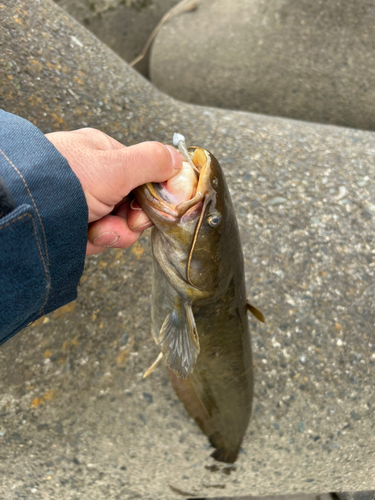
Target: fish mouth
column 181, row 198
column 177, row 212
column 166, row 211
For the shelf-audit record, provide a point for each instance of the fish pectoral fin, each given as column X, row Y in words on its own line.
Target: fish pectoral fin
column 255, row 312
column 179, row 341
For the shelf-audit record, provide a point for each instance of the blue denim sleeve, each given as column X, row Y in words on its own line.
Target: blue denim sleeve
column 43, row 239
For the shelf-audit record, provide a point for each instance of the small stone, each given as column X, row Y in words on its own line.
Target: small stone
column 124, row 339
column 278, row 200
column 142, row 418
column 148, row 397
column 59, row 428
column 341, row 194
column 42, row 427
column 355, row 415
column 17, row 437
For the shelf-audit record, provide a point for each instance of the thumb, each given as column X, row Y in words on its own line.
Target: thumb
column 136, row 165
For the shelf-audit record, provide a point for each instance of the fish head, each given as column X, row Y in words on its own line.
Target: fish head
column 196, row 230
column 214, row 244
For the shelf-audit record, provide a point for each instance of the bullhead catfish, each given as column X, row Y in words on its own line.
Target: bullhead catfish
column 199, row 306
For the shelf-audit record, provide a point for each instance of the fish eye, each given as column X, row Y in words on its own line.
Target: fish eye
column 214, row 220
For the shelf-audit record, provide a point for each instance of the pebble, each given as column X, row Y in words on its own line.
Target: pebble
column 278, row 200
column 148, row 397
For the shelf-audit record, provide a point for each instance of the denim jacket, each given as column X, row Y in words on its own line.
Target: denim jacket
column 43, row 226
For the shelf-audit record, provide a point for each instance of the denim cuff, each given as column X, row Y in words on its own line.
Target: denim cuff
column 54, row 223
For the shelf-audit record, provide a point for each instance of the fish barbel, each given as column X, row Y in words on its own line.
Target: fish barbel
column 199, row 306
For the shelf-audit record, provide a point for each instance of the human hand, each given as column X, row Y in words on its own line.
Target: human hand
column 108, row 171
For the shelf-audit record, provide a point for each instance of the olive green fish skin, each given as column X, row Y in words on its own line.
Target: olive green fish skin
column 218, row 393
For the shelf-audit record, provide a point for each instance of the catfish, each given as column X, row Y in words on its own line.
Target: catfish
column 199, row 307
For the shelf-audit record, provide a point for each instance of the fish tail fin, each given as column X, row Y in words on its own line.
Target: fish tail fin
column 223, row 452
column 191, row 394
column 225, row 455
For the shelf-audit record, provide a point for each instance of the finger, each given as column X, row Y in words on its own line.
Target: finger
column 122, row 209
column 94, row 249
column 131, row 210
column 141, row 163
column 137, row 218
column 111, row 232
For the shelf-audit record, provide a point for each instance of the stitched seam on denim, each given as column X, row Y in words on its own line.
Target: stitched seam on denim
column 32, row 199
column 40, row 253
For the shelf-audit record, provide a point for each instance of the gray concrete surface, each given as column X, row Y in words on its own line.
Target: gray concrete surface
column 76, row 418
column 304, row 59
column 123, row 25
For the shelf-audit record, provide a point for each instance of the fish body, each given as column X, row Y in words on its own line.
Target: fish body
column 199, row 306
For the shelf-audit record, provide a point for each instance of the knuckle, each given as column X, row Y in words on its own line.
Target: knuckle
column 98, row 137
column 88, row 130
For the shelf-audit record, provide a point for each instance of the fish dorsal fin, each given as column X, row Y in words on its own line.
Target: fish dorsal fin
column 179, row 341
column 255, row 312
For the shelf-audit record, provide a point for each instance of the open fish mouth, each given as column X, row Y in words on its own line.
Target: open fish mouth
column 181, row 198
column 177, row 193
column 181, row 187
column 179, row 207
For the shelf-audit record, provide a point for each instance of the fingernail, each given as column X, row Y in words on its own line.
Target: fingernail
column 140, row 221
column 134, row 205
column 142, row 227
column 107, row 239
column 176, row 157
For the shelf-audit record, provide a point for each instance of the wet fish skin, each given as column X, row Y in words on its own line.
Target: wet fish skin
column 219, row 392
column 216, row 384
